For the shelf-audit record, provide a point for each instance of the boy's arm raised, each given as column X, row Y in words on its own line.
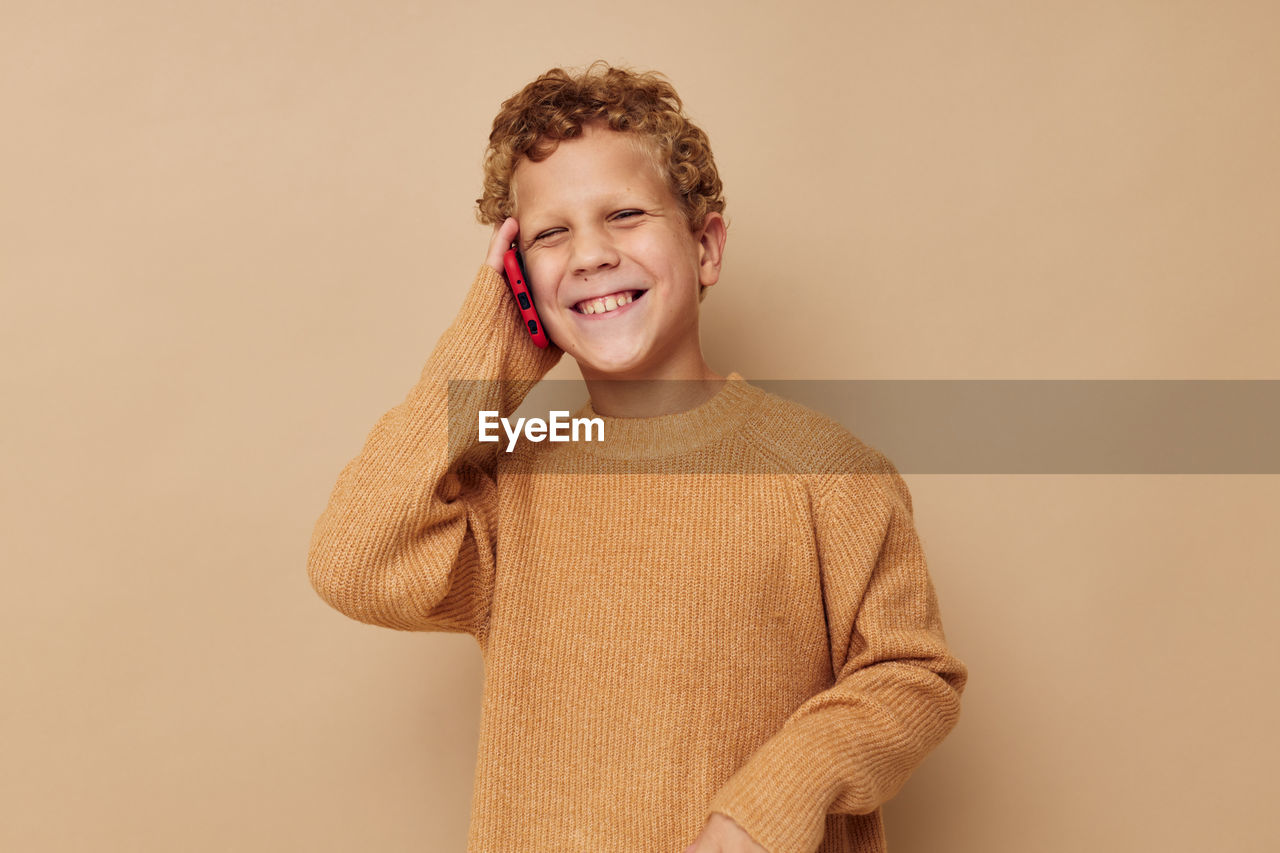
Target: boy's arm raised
column 850, row 748
column 408, row 538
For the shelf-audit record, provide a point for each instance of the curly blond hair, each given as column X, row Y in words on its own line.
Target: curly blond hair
column 532, row 122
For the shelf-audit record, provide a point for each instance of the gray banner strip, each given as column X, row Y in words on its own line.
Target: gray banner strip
column 1067, row 426
column 1036, row 426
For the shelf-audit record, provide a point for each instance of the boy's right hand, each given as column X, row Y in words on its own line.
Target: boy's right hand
column 503, row 234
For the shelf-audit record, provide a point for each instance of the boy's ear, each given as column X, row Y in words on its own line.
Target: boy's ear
column 711, row 238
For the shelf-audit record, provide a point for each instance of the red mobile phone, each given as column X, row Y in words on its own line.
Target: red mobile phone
column 518, row 281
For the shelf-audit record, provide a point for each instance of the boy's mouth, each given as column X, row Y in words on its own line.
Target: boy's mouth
column 610, row 302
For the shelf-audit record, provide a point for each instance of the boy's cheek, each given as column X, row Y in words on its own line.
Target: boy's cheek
column 542, row 279
column 541, row 296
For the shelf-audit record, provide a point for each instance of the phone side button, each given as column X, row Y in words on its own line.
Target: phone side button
column 533, row 327
column 524, row 300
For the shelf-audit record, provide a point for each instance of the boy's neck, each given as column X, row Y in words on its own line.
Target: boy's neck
column 653, row 396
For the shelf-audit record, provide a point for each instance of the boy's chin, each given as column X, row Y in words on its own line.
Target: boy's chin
column 604, row 366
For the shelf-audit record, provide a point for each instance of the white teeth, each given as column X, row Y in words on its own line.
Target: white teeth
column 607, row 303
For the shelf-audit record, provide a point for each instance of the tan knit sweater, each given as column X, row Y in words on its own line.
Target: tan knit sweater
column 725, row 609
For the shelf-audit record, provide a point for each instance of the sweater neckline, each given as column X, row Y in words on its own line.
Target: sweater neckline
column 678, row 432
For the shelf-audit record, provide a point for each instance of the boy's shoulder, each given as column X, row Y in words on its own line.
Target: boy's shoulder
column 794, row 438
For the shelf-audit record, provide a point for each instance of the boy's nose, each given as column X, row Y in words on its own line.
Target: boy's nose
column 593, row 251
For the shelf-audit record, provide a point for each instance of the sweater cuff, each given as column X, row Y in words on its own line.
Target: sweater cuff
column 782, row 793
column 487, row 339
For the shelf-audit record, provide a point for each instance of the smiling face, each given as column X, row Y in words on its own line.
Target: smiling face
column 614, row 269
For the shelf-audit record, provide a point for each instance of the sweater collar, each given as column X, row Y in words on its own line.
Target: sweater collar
column 679, row 432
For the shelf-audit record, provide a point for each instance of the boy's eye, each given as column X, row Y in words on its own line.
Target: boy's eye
column 622, row 214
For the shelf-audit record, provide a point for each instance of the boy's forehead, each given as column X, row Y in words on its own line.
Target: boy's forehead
column 600, row 166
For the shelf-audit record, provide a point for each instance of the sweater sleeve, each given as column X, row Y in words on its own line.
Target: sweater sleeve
column 850, row 748
column 408, row 538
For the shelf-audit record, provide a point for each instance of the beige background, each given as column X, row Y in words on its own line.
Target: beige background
column 231, row 232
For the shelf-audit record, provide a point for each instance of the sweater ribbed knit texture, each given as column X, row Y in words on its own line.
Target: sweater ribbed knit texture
column 721, row 610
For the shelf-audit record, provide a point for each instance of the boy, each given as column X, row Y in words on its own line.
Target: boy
column 713, row 630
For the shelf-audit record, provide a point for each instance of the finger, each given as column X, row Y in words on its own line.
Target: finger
column 504, row 233
column 510, row 228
